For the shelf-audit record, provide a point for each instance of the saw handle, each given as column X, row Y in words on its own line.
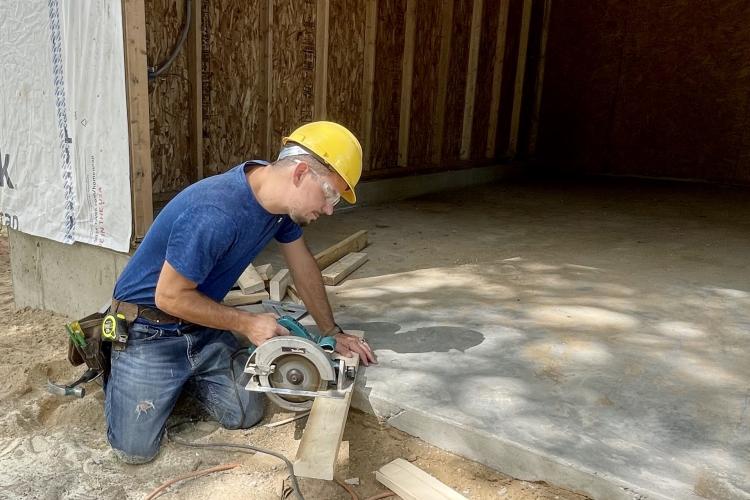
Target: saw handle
column 295, row 328
column 328, row 344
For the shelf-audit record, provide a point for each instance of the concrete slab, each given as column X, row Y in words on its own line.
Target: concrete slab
column 594, row 336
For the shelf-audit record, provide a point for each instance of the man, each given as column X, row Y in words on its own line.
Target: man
column 190, row 258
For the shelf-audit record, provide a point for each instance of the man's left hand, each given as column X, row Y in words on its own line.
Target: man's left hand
column 347, row 344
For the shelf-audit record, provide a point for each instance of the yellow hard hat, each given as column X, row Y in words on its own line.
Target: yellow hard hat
column 334, row 145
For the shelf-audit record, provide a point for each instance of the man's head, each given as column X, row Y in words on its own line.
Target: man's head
column 315, row 189
column 325, row 162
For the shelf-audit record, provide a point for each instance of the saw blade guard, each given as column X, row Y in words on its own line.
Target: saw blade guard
column 291, row 371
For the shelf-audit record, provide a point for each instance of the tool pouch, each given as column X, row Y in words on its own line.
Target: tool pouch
column 93, row 354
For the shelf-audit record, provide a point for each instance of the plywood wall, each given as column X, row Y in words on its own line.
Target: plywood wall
column 658, row 89
column 413, row 79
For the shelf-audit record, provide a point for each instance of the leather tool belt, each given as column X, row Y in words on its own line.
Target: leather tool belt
column 152, row 314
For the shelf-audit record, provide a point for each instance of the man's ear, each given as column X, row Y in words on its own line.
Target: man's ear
column 298, row 172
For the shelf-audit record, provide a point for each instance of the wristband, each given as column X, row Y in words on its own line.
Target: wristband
column 333, row 330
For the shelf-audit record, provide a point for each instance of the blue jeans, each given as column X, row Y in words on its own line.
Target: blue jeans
column 149, row 375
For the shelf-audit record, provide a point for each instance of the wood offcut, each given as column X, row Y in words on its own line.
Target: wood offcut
column 353, row 243
column 336, row 272
column 321, row 441
column 412, row 483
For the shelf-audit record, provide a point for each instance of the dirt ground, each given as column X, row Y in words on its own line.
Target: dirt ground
column 55, row 448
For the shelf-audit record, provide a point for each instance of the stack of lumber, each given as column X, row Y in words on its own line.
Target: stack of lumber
column 258, row 283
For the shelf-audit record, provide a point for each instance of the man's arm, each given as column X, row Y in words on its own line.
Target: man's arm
column 309, row 284
column 178, row 296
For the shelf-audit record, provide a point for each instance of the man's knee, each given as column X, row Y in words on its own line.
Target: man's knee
column 133, row 450
column 252, row 415
column 133, row 459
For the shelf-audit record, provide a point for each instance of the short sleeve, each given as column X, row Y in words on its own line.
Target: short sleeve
column 288, row 231
column 198, row 239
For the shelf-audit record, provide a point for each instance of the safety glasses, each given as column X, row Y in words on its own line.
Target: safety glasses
column 331, row 194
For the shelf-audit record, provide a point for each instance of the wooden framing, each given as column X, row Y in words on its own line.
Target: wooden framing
column 321, row 58
column 136, row 95
column 407, row 72
column 195, row 72
column 471, row 79
column 446, row 30
column 371, row 25
column 419, row 83
column 539, row 85
column 515, row 118
column 497, row 77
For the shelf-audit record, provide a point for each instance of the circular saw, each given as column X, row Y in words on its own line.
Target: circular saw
column 295, row 369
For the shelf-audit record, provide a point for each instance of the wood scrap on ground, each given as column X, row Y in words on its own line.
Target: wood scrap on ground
column 265, row 271
column 250, row 281
column 412, row 483
column 278, row 284
column 353, row 243
column 321, row 440
column 336, row 272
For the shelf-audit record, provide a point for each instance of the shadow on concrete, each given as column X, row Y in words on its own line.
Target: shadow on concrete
column 420, row 340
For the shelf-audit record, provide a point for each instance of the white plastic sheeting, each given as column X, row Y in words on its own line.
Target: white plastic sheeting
column 64, row 157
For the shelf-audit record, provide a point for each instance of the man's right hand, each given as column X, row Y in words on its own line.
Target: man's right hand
column 261, row 327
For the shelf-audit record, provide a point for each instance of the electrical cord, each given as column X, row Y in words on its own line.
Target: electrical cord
column 242, row 448
column 158, row 69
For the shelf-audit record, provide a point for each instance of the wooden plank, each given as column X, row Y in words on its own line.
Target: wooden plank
column 412, row 483
column 368, row 85
column 136, row 95
column 471, row 79
column 497, row 79
column 279, row 283
column 407, row 72
column 353, row 243
column 195, row 75
column 265, row 271
column 321, row 441
column 250, row 281
column 515, row 119
column 321, row 59
column 534, row 132
column 336, row 272
column 446, row 30
column 237, row 298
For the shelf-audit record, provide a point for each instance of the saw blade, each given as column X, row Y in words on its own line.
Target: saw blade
column 294, row 372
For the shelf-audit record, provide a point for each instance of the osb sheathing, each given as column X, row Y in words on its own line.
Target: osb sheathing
column 346, row 46
column 656, row 89
column 168, row 99
column 234, row 82
column 246, row 110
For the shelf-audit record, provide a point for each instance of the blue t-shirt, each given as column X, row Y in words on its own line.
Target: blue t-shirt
column 210, row 232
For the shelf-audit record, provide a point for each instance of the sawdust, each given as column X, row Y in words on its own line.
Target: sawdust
column 55, row 448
